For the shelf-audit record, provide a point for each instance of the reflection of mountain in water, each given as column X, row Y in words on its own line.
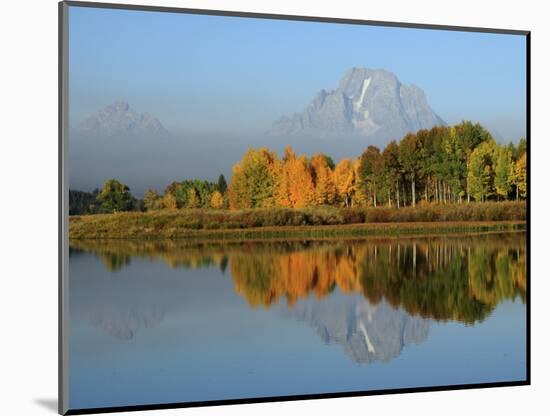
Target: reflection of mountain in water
column 366, row 332
column 123, row 323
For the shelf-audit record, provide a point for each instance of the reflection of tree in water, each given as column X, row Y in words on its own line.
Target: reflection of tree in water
column 114, row 262
column 460, row 278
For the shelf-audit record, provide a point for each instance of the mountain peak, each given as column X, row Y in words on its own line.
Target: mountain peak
column 367, row 102
column 119, row 119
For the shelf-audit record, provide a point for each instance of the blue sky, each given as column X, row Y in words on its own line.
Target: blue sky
column 210, row 73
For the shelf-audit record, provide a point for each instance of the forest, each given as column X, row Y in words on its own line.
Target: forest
column 443, row 165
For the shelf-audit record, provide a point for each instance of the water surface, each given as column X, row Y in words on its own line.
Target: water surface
column 164, row 322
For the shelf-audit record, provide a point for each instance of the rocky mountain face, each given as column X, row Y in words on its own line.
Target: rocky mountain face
column 119, row 119
column 367, row 102
column 366, row 332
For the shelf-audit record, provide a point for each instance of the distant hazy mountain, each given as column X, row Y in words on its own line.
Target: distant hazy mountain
column 120, row 120
column 367, row 102
column 366, row 332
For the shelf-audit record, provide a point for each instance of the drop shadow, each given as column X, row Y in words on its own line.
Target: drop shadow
column 49, row 404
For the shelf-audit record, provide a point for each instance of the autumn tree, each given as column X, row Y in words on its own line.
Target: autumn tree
column 295, row 188
column 480, row 171
column 169, row 201
column 522, row 147
column 114, row 197
column 254, row 180
column 521, row 169
column 193, row 200
column 503, row 170
column 471, row 135
column 152, row 200
column 455, row 167
column 345, row 181
column 409, row 157
column 324, row 188
column 217, row 201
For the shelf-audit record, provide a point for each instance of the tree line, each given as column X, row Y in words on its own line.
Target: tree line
column 116, row 197
column 453, row 164
column 443, row 164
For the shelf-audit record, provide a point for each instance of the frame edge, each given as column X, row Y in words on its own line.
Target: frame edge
column 63, row 353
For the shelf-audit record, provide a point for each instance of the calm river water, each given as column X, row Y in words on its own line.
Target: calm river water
column 166, row 322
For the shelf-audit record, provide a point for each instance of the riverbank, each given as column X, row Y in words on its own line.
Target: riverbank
column 300, row 223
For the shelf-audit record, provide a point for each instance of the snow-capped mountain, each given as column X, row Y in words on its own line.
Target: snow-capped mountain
column 119, row 119
column 367, row 102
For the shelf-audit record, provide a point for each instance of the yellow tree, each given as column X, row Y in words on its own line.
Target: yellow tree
column 193, row 200
column 283, row 197
column 169, row 201
column 295, row 187
column 254, row 180
column 344, row 179
column 217, row 201
column 152, row 200
column 301, row 185
column 325, row 190
column 521, row 172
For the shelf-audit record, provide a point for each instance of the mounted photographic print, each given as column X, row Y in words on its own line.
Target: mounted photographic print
column 263, row 207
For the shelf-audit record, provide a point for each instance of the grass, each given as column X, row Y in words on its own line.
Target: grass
column 312, row 222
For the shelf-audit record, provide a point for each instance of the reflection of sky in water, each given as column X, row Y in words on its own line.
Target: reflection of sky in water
column 149, row 333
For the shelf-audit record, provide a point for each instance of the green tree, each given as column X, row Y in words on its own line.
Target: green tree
column 522, row 147
column 193, row 200
column 455, row 170
column 480, row 171
column 329, row 161
column 222, row 184
column 115, row 197
column 393, row 170
column 151, row 200
column 200, row 190
column 371, row 169
column 410, row 158
column 503, row 168
column 254, row 180
column 471, row 135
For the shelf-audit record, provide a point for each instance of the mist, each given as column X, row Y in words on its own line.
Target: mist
column 143, row 163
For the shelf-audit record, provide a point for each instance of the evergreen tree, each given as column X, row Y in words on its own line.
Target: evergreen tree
column 222, row 184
